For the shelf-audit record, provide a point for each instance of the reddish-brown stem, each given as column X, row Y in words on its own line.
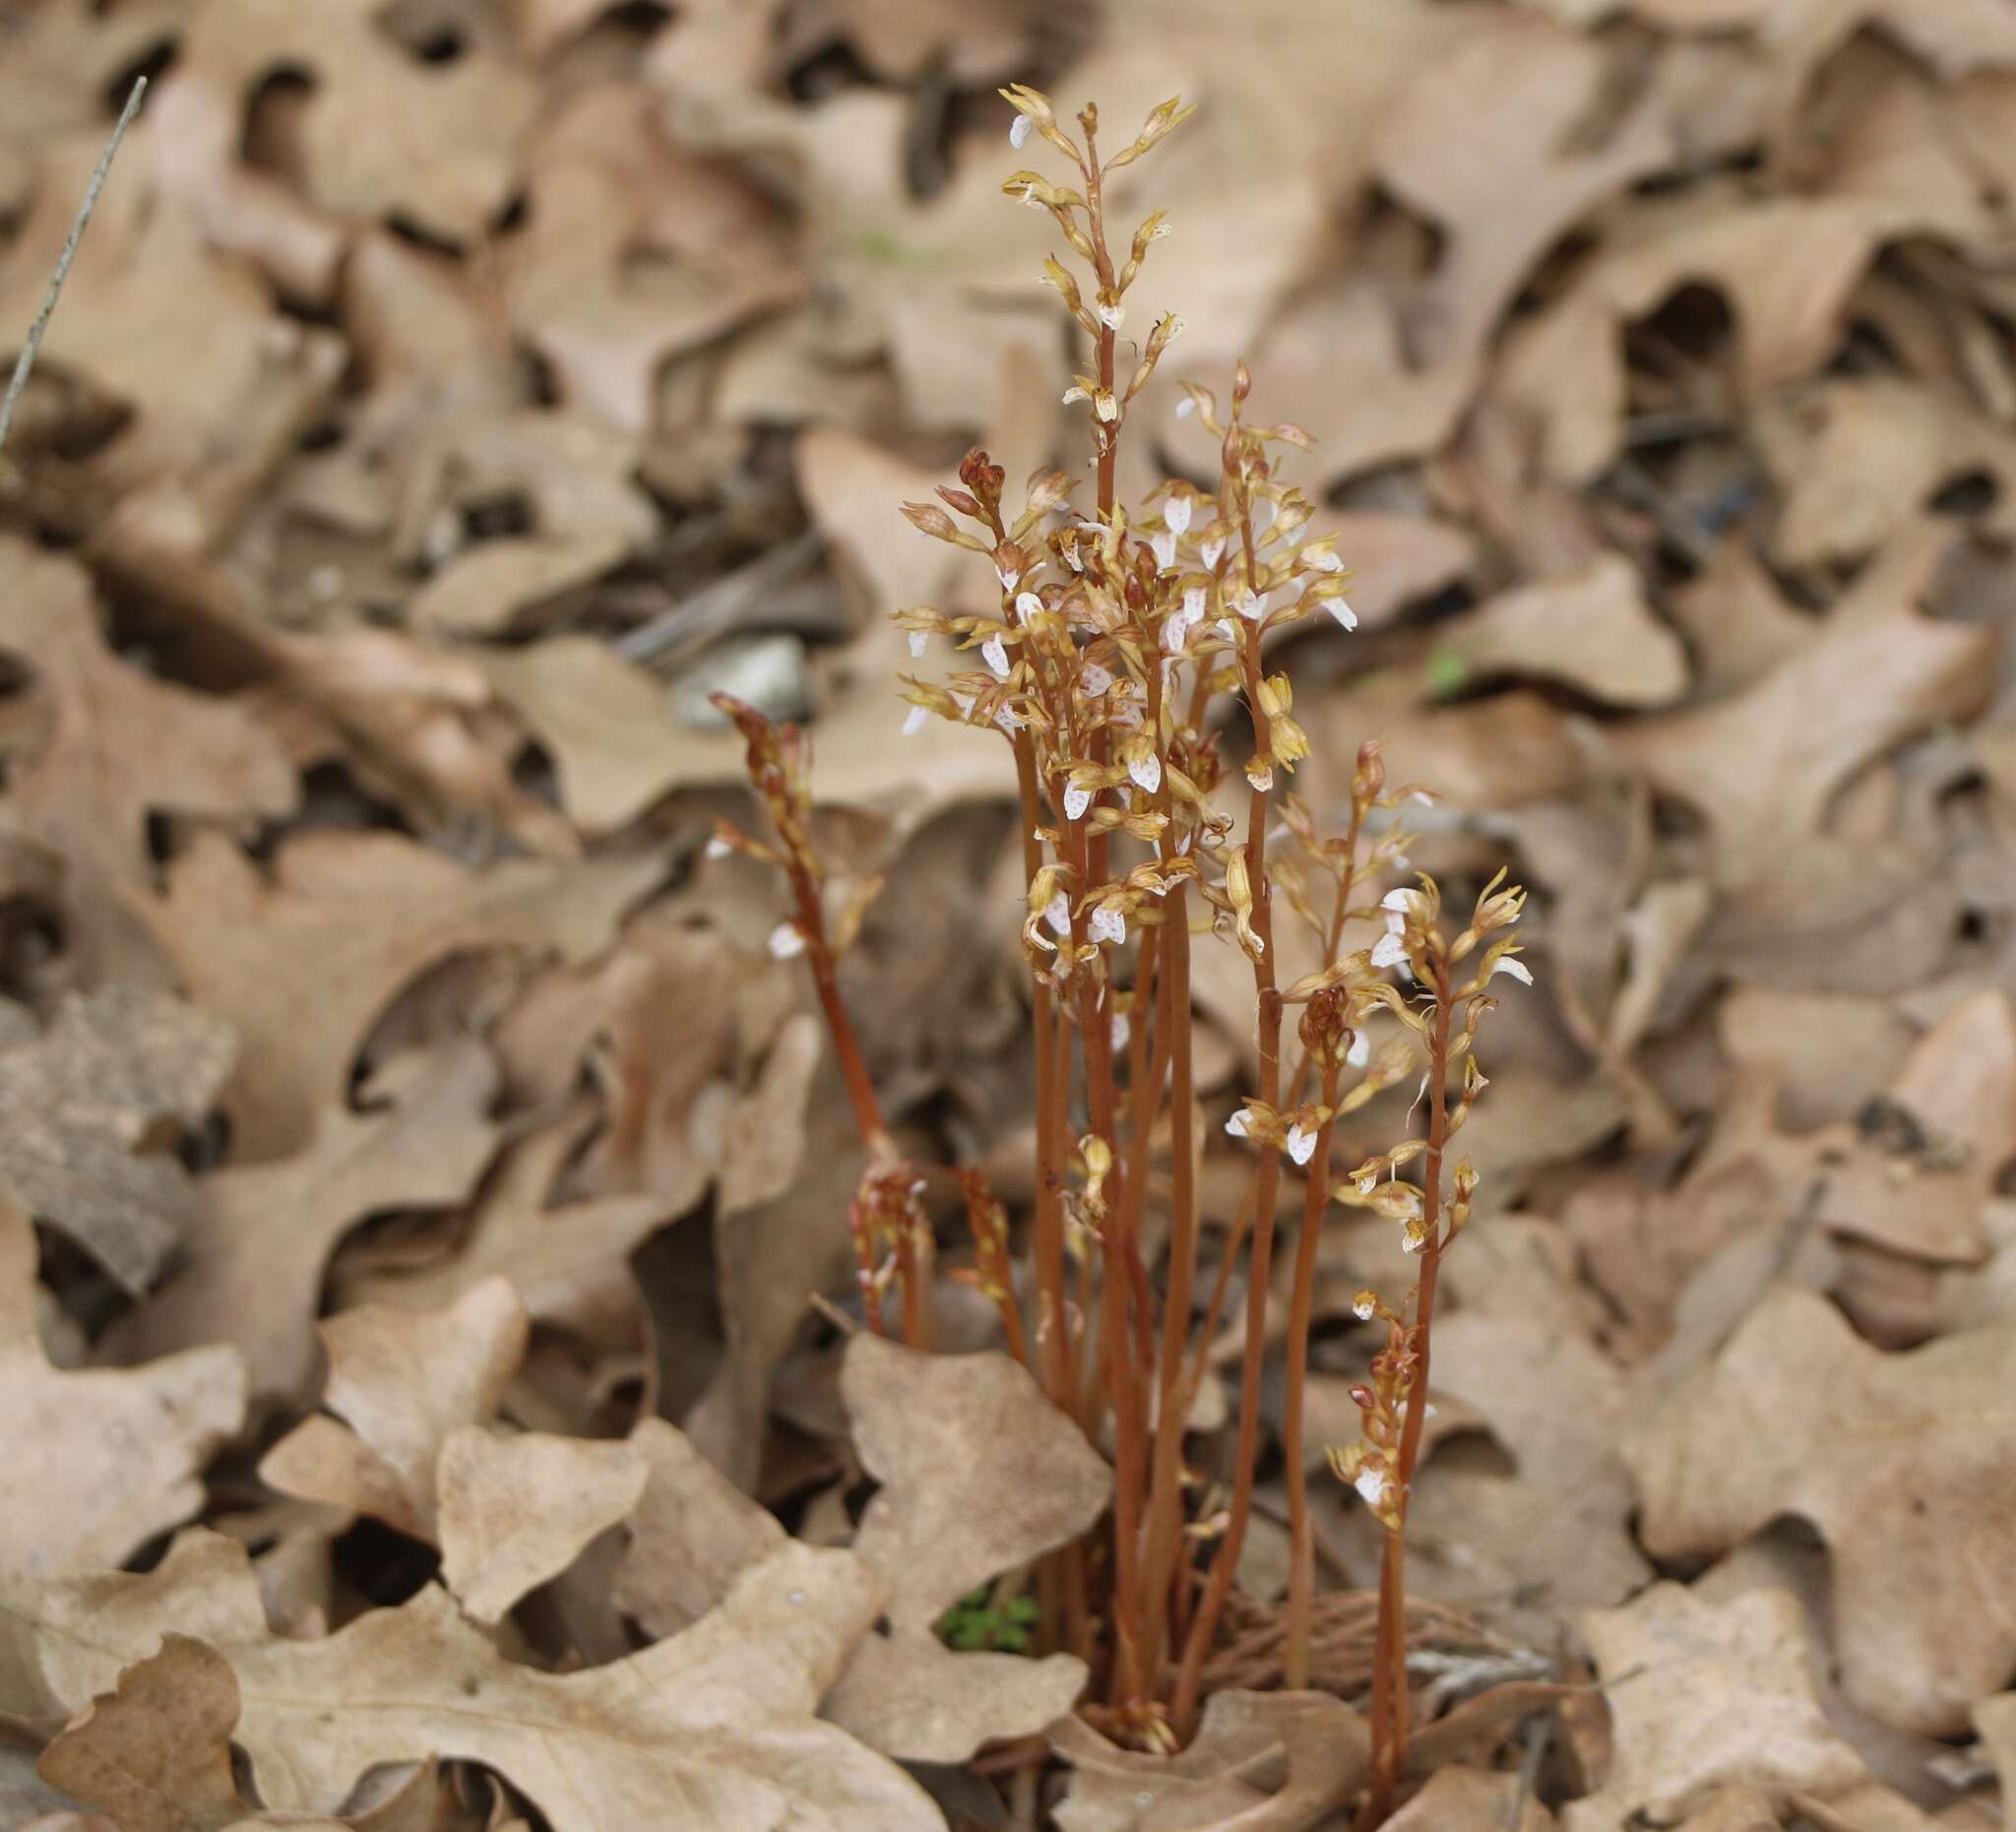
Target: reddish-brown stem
column 1301, row 1582
column 1266, row 1181
column 1390, row 1692
column 1048, row 1244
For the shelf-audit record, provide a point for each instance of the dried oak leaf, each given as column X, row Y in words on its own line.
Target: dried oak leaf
column 116, row 745
column 692, row 1533
column 514, row 1511
column 1856, row 458
column 82, row 1104
column 1927, row 1156
column 1592, row 629
column 303, row 963
column 568, row 1261
column 259, row 1240
column 1702, row 1698
column 93, row 1464
column 401, row 1382
column 635, row 250
column 156, row 1754
column 713, row 1727
column 1553, row 1533
column 1877, row 672
column 383, row 132
column 980, row 1474
column 1900, row 1461
column 1494, row 141
column 1786, row 266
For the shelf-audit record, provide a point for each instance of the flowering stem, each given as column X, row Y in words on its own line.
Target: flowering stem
column 1390, row 1692
column 1266, row 1179
column 1302, row 1581
column 1048, row 1249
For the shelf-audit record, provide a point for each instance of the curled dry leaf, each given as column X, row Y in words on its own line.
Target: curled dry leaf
column 92, row 1463
column 302, row 964
column 1703, row 1698
column 402, row 1382
column 1260, row 1763
column 1900, row 1461
column 254, row 1252
column 691, row 1533
column 81, row 1105
column 514, row 1511
column 981, row 1474
column 718, row 1720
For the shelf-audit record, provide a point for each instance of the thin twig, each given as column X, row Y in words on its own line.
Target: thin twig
column 27, row 360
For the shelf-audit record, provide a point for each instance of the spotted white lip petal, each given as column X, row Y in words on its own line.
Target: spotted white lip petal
column 964, row 703
column 1342, row 612
column 1165, row 549
column 995, row 653
column 1236, row 1126
column 1147, row 774
column 1360, row 1050
column 913, row 721
column 1018, row 131
column 1112, row 316
column 1109, row 924
column 787, row 942
column 1212, row 552
column 1058, row 914
column 1301, row 1146
column 1175, row 514
column 1007, row 576
column 1076, row 801
column 1517, row 969
column 1390, row 950
column 1370, row 1483
column 917, row 642
column 1093, row 679
column 1027, row 605
column 1322, row 560
column 1399, row 898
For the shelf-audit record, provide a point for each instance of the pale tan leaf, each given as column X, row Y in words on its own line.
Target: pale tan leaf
column 260, row 1239
column 156, row 1754
column 93, row 1464
column 517, row 1510
column 691, row 1533
column 300, row 965
column 404, row 1382
column 1702, row 1698
column 1900, row 1461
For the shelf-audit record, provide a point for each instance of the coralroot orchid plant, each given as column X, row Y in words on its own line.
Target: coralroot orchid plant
column 1117, row 635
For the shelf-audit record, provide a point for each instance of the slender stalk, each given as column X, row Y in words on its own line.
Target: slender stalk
column 1266, row 1181
column 1048, row 1244
column 25, row 363
column 1301, row 1584
column 1390, row 1692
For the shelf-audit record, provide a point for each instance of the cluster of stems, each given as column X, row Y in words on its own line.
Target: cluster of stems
column 1116, row 642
